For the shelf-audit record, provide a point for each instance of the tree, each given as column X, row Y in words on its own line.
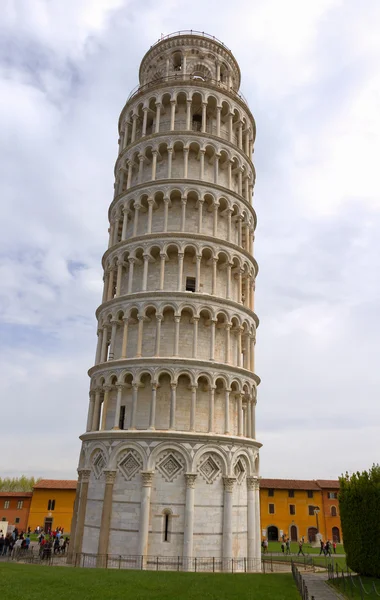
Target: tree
column 18, row 484
column 359, row 504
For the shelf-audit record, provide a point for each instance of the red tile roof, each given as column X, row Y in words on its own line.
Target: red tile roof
column 289, row 484
column 16, row 494
column 56, row 484
column 330, row 484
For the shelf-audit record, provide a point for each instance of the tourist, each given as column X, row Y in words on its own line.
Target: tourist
column 328, row 548
column 2, row 541
column 322, row 550
column 7, row 543
column 17, row 547
column 334, row 547
column 300, row 550
column 27, row 542
column 265, row 546
column 288, row 546
column 283, row 547
column 56, row 545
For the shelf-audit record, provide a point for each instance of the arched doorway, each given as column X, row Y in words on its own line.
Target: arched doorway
column 272, row 533
column 311, row 534
column 336, row 535
column 293, row 533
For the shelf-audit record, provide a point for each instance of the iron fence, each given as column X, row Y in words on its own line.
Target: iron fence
column 351, row 584
column 300, row 583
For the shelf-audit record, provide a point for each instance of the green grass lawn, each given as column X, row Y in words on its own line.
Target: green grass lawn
column 307, row 548
column 352, row 590
column 35, row 582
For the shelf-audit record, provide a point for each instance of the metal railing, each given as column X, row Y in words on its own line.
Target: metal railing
column 351, row 584
column 300, row 583
column 189, row 32
column 180, row 126
column 180, row 78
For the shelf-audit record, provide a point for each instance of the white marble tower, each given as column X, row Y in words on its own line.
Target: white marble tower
column 169, row 460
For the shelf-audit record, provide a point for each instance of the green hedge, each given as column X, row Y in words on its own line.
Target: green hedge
column 359, row 504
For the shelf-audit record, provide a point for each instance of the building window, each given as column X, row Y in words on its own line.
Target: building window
column 51, row 505
column 291, row 493
column 17, row 520
column 190, row 284
column 333, row 511
column 310, row 493
column 122, row 417
column 311, row 510
column 292, row 509
column 332, row 495
column 20, row 503
column 166, row 526
column 270, row 493
column 6, row 504
column 271, row 509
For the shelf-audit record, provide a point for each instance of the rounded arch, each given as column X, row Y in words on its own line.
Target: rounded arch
column 211, row 449
column 152, row 460
column 124, row 447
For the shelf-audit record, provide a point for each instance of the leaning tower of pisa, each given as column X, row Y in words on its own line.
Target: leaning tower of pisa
column 169, row 461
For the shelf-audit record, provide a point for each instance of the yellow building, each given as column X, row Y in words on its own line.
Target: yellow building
column 293, row 508
column 52, row 504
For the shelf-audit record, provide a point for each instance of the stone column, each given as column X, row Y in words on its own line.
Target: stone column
column 145, row 272
column 74, row 521
column 202, row 165
column 105, row 287
column 125, row 224
column 130, row 274
column 135, row 389
column 158, row 335
column 126, row 132
column 170, row 161
column 185, row 162
column 204, row 107
column 96, row 416
column 215, row 219
column 183, row 214
column 136, row 219
column 177, row 320
column 99, row 346
column 227, row 411
column 200, row 210
column 166, row 211
column 140, row 336
column 145, row 119
column 150, row 214
column 110, row 284
column 253, row 417
column 141, row 158
column 211, row 410
column 152, row 416
column 146, row 480
column 154, row 164
column 249, row 418
column 158, row 114
column 230, row 128
column 253, row 563
column 180, row 270
column 213, row 285
column 130, row 171
column 188, row 115
column 218, row 113
column 228, row 343
column 195, row 337
column 227, row 516
column 84, row 475
column 216, row 169
column 119, row 277
column 105, row 523
column 193, row 406
column 91, row 408
column 240, row 135
column 103, row 356
column 240, row 414
column 134, row 124
column 113, row 338
column 189, row 521
column 173, row 402
column 162, row 270
column 229, row 267
column 212, row 344
column 198, row 273
column 172, row 114
column 252, row 364
column 229, row 175
column 125, row 338
column 257, row 522
column 118, row 405
column 107, row 390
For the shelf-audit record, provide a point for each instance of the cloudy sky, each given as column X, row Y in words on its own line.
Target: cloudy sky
column 310, row 71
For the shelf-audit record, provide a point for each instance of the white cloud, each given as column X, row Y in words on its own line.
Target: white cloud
column 310, row 73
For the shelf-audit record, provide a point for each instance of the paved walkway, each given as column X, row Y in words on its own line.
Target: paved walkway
column 318, row 587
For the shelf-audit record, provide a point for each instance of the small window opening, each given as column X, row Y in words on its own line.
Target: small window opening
column 190, row 284
column 166, row 527
column 271, row 492
column 271, row 509
column 122, row 417
column 197, row 122
column 177, row 62
column 333, row 511
column 17, row 520
column 291, row 493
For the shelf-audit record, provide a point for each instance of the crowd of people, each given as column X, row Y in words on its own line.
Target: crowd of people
column 326, row 547
column 49, row 542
